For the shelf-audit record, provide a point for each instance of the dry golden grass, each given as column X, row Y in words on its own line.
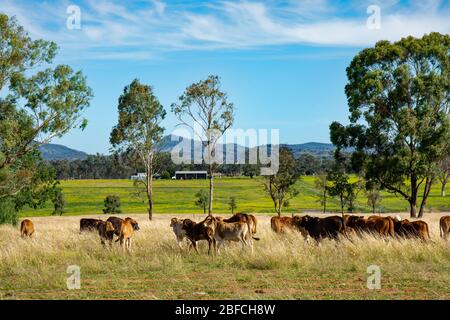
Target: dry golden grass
column 282, row 267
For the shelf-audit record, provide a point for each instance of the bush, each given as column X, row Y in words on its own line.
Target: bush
column 58, row 202
column 8, row 213
column 165, row 175
column 112, row 204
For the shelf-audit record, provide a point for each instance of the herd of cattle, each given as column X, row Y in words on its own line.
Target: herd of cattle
column 241, row 227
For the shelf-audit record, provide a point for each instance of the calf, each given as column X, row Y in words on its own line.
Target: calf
column 88, row 224
column 198, row 231
column 117, row 223
column 106, row 232
column 319, row 228
column 231, row 231
column 247, row 218
column 177, row 227
column 127, row 227
column 444, row 226
column 26, row 228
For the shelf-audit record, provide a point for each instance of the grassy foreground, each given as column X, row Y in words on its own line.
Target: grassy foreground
column 282, row 267
column 86, row 197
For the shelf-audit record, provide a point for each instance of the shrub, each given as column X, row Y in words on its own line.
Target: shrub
column 8, row 213
column 112, row 204
column 58, row 202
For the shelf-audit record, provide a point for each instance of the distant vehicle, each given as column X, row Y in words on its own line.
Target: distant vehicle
column 143, row 176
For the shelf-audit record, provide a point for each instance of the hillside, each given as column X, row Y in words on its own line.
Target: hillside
column 59, row 152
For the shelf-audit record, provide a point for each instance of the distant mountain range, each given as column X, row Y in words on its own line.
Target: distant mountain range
column 60, row 152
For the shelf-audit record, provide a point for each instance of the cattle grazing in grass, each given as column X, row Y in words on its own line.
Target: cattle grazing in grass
column 87, row 224
column 117, row 224
column 444, row 226
column 281, row 224
column 26, row 228
column 198, row 231
column 106, row 232
column 383, row 226
column 127, row 228
column 231, row 231
column 243, row 217
column 328, row 227
column 177, row 227
column 412, row 229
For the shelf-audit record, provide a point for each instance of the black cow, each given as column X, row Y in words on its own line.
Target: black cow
column 319, row 228
column 87, row 224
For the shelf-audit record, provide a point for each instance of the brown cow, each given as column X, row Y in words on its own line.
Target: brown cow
column 444, row 226
column 231, row 231
column 243, row 217
column 415, row 229
column 177, row 227
column 199, row 231
column 127, row 227
column 117, row 223
column 383, row 226
column 87, row 224
column 26, row 228
column 281, row 224
column 106, row 232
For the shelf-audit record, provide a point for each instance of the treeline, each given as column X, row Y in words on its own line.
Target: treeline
column 122, row 166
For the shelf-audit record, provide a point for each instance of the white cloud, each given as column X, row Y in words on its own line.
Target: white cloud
column 152, row 27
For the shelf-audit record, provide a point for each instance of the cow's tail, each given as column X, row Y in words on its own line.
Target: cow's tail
column 441, row 229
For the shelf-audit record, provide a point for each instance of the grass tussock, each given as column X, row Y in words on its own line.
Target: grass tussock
column 281, row 267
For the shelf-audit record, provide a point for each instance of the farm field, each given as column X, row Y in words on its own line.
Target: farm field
column 178, row 196
column 281, row 267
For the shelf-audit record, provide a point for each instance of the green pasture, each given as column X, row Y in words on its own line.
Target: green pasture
column 178, row 196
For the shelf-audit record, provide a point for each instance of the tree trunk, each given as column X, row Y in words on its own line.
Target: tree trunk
column 444, row 182
column 150, row 187
column 210, row 204
column 413, row 199
column 426, row 193
column 342, row 205
column 324, row 201
column 373, row 209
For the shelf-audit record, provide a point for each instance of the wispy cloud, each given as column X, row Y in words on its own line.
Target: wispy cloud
column 146, row 29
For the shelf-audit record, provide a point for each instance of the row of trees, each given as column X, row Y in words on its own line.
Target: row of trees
column 398, row 97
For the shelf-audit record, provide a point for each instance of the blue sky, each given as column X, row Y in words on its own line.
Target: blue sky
column 282, row 63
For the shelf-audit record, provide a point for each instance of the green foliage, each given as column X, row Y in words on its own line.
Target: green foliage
column 322, row 185
column 165, row 175
column 250, row 170
column 139, row 130
column 280, row 187
column 206, row 105
column 112, row 204
column 373, row 197
column 202, row 199
column 36, row 107
column 398, row 102
column 8, row 212
column 232, row 204
column 58, row 202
